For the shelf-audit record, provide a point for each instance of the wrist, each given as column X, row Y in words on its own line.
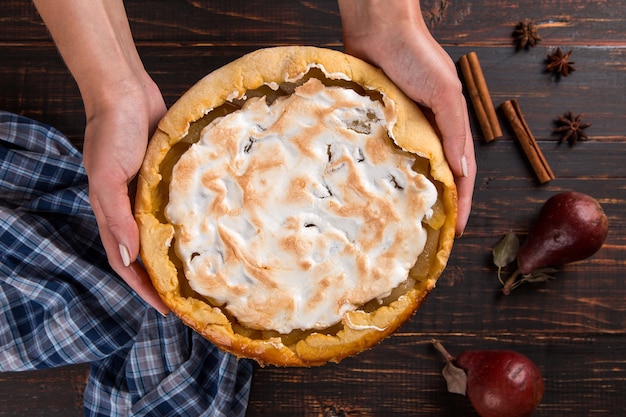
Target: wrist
column 375, row 25
column 95, row 40
column 369, row 16
column 102, row 94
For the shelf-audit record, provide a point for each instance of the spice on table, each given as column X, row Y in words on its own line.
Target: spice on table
column 559, row 63
column 525, row 35
column 571, row 128
column 480, row 97
column 529, row 144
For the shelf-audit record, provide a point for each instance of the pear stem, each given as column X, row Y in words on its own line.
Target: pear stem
column 448, row 357
column 508, row 285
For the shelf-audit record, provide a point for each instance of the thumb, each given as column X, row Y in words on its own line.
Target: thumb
column 112, row 207
column 455, row 133
column 458, row 147
column 119, row 235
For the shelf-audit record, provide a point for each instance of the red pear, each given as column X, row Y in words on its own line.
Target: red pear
column 498, row 383
column 501, row 383
column 571, row 226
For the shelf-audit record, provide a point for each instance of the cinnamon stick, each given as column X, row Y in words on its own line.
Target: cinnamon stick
column 480, row 97
column 529, row 144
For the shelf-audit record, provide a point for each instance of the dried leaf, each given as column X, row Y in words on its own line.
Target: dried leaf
column 456, row 378
column 536, row 276
column 506, row 251
column 539, row 275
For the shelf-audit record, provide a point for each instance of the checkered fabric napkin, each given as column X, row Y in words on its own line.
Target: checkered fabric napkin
column 60, row 302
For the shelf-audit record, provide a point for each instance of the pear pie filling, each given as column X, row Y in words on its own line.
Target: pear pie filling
column 290, row 214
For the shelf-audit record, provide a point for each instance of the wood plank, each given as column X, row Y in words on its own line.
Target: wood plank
column 21, row 24
column 411, row 375
column 251, row 22
column 562, row 22
column 35, row 83
column 50, row 392
column 488, row 22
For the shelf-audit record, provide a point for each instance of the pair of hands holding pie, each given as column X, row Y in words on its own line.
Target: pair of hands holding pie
column 123, row 104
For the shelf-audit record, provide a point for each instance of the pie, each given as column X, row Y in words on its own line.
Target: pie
column 295, row 207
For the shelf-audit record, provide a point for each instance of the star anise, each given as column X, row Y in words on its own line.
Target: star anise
column 525, row 34
column 559, row 63
column 571, row 128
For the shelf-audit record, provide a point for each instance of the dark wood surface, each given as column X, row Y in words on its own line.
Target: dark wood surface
column 573, row 327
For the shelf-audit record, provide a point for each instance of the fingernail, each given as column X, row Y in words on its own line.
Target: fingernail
column 125, row 255
column 464, row 170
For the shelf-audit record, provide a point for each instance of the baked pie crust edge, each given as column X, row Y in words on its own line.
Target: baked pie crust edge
column 361, row 330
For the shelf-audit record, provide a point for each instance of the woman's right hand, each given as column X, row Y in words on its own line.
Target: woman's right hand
column 393, row 36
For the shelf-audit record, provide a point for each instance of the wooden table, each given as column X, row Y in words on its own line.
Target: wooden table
column 573, row 327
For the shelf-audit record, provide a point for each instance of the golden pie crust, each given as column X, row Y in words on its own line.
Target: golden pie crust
column 358, row 330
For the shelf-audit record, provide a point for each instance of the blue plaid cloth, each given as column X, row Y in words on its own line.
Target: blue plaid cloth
column 60, row 302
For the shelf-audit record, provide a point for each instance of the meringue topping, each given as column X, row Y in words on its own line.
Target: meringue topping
column 292, row 213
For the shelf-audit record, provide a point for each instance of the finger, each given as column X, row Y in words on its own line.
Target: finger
column 133, row 273
column 459, row 150
column 137, row 278
column 115, row 214
column 465, row 189
column 453, row 123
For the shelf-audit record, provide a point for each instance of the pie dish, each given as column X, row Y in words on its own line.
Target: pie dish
column 295, row 207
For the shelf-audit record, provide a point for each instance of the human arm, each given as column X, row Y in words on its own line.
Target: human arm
column 123, row 106
column 393, row 36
